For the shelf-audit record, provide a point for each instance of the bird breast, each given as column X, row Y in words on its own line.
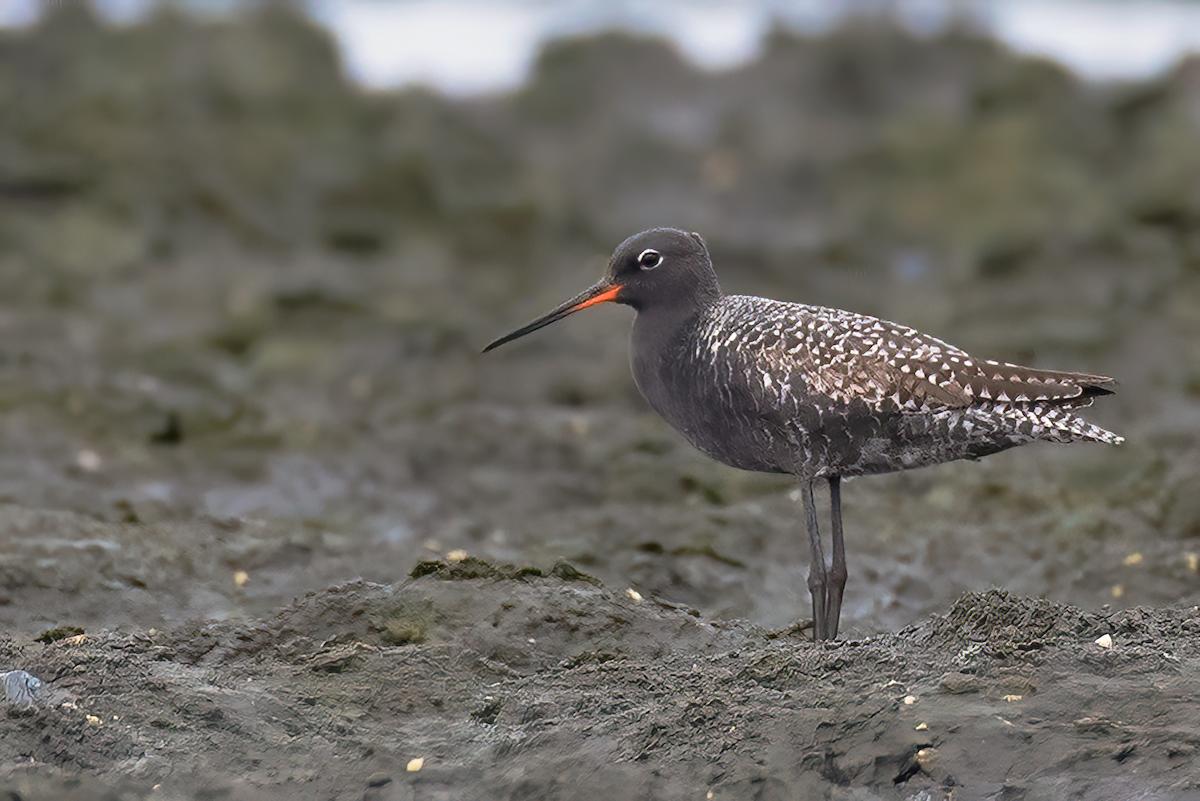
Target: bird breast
column 708, row 382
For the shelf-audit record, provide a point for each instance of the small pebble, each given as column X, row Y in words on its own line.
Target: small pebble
column 88, row 461
column 1104, row 641
column 958, row 683
column 20, row 688
column 580, row 425
column 1015, row 684
column 1093, row 725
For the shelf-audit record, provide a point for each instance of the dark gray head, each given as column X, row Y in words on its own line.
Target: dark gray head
column 660, row 269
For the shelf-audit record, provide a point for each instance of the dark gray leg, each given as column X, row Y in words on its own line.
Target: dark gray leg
column 836, row 575
column 817, row 582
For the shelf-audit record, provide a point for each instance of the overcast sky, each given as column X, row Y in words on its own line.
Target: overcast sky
column 472, row 46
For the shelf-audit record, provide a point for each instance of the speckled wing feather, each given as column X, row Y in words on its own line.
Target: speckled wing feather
column 848, row 357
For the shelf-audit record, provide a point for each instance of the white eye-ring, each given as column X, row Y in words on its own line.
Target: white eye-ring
column 649, row 259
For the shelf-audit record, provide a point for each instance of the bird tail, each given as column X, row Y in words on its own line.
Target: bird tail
column 1048, row 398
column 1057, row 423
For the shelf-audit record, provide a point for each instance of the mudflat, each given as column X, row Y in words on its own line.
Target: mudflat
column 270, row 527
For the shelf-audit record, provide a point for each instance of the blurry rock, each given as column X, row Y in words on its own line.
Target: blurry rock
column 582, row 79
column 276, row 54
column 1183, row 512
column 83, row 241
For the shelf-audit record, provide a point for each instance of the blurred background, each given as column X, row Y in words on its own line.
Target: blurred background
column 250, row 252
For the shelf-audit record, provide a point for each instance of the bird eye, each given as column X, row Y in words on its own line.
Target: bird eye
column 649, row 259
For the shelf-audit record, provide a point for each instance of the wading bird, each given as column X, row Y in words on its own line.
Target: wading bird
column 815, row 392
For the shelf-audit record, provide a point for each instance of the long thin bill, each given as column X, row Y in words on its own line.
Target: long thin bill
column 602, row 292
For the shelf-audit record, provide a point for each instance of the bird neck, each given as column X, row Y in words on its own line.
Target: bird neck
column 662, row 322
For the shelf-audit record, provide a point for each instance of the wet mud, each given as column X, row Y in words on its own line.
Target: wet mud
column 496, row 683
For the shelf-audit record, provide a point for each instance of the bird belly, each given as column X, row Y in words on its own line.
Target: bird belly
column 858, row 439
